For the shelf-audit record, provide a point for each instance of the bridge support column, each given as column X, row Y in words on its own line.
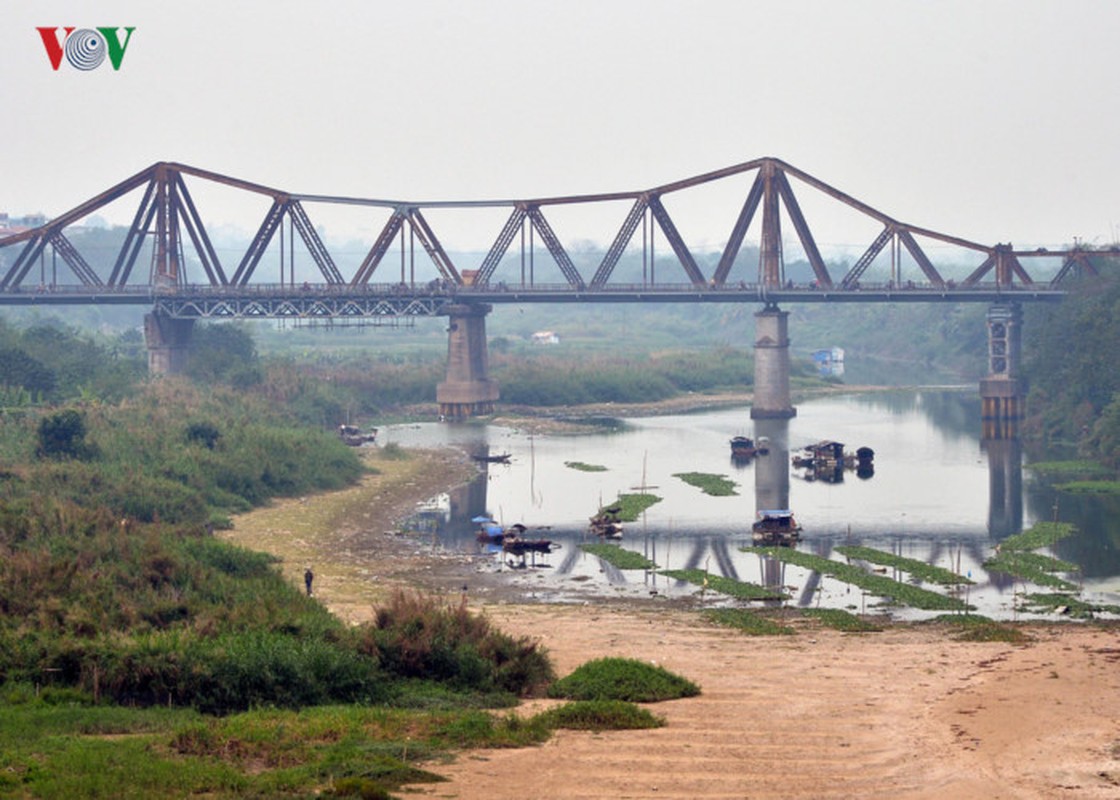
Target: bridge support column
column 771, row 365
column 1003, row 392
column 468, row 390
column 167, row 339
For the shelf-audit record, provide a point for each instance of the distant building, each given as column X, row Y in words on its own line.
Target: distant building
column 9, row 225
column 546, row 337
column 829, row 361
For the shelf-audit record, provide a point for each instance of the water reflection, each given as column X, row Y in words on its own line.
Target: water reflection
column 939, row 495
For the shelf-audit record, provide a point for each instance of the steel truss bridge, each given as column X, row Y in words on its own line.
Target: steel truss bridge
column 182, row 275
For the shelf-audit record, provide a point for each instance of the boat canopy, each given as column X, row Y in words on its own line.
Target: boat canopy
column 780, row 512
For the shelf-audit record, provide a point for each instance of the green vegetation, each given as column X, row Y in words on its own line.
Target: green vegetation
column 622, row 679
column 584, row 467
column 1041, row 534
column 916, row 569
column 751, row 623
column 617, row 557
column 728, row 586
column 1067, row 604
column 715, row 485
column 1033, row 567
column 1074, row 400
column 978, row 628
column 1090, row 487
column 600, row 715
column 1069, row 469
column 878, row 585
column 632, row 505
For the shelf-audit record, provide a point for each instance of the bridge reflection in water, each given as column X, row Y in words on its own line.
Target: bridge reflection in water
column 570, row 573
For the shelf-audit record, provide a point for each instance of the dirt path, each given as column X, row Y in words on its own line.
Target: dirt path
column 905, row 713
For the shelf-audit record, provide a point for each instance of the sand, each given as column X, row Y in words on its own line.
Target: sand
column 907, row 712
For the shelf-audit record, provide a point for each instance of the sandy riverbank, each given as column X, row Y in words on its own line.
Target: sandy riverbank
column 904, row 713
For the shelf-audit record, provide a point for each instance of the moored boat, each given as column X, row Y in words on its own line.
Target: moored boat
column 776, row 526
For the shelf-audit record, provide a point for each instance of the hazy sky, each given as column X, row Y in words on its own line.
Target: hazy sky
column 992, row 121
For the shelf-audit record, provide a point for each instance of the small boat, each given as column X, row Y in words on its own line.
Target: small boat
column 742, row 447
column 776, row 527
column 519, row 547
column 607, row 523
column 355, row 436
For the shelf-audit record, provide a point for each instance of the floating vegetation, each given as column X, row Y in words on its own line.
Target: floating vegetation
column 708, row 483
column 916, row 569
column 1041, row 534
column 632, row 505
column 838, row 619
column 584, row 467
column 617, row 557
column 728, row 586
column 749, row 622
column 878, row 585
column 1033, row 567
column 1058, row 602
column 1089, row 487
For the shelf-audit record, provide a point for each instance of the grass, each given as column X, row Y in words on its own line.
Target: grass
column 1041, row 534
column 622, row 679
column 749, row 622
column 916, row 569
column 878, row 585
column 978, row 628
column 1033, row 567
column 600, row 715
column 715, row 485
column 728, row 586
column 617, row 557
column 585, row 467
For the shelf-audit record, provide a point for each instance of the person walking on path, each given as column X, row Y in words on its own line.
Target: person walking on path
column 308, row 576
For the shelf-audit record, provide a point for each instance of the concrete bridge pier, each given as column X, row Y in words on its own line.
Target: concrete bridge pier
column 167, row 339
column 771, row 365
column 1003, row 392
column 468, row 390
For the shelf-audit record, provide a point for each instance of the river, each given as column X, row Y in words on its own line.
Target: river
column 937, row 494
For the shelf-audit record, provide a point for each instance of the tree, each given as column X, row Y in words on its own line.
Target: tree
column 63, row 435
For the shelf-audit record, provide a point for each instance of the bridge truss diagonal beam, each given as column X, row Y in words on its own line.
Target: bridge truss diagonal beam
column 313, row 243
column 501, row 245
column 380, row 248
column 431, row 244
column 260, row 243
column 197, row 231
column 618, row 246
column 852, row 278
column 669, row 228
column 552, row 242
column 804, row 235
column 739, row 231
column 920, row 258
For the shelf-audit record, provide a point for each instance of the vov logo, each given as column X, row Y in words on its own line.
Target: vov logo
column 85, row 48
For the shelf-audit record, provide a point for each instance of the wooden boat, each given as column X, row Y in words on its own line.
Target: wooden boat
column 742, row 447
column 355, row 436
column 517, row 546
column 776, row 527
column 606, row 523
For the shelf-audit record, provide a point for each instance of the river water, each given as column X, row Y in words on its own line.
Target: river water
column 938, row 494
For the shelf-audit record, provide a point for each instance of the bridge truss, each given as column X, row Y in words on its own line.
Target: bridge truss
column 185, row 277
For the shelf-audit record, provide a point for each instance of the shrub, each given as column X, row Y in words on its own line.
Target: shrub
column 600, row 715
column 622, row 679
column 418, row 636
